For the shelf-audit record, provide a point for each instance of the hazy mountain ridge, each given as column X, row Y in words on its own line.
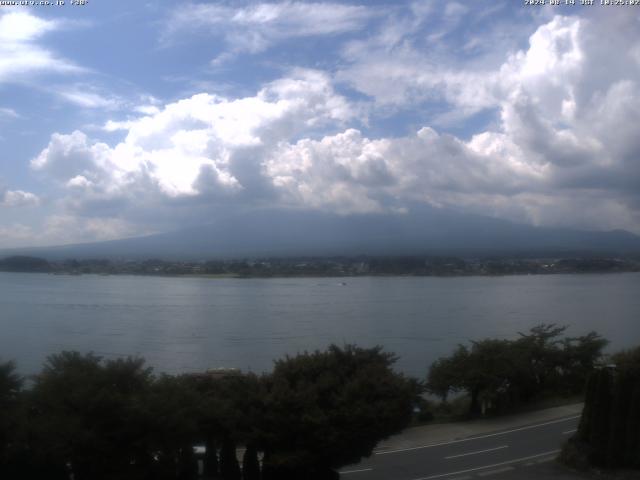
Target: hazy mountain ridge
column 305, row 233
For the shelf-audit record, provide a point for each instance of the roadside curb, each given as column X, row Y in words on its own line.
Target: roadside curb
column 416, row 437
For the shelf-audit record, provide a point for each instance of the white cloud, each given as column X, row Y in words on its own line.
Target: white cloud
column 147, row 109
column 20, row 51
column 16, row 235
column 18, row 198
column 8, row 113
column 564, row 149
column 195, row 148
column 566, row 113
column 84, row 96
column 23, row 27
column 256, row 27
column 350, row 173
column 65, row 229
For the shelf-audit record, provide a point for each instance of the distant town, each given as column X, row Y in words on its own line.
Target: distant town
column 327, row 267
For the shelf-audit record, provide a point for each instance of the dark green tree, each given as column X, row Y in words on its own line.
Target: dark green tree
column 10, row 396
column 632, row 449
column 229, row 466
column 621, row 403
column 579, row 356
column 231, row 406
column 591, row 392
column 329, row 409
column 600, row 417
column 250, row 464
column 447, row 374
column 499, row 374
column 485, row 372
column 627, row 360
column 609, row 430
column 210, row 460
column 540, row 357
column 88, row 415
column 172, row 425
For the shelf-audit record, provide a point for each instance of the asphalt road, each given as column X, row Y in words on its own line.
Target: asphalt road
column 502, row 454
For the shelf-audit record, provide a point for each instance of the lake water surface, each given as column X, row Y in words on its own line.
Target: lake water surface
column 191, row 324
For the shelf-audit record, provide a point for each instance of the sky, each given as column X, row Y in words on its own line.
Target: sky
column 122, row 118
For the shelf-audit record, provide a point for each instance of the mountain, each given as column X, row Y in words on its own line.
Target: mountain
column 309, row 233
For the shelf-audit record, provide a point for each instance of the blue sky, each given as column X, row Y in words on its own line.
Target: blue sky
column 122, row 118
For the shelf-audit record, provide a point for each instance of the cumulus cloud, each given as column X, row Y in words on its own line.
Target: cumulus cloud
column 351, row 173
column 565, row 137
column 563, row 149
column 198, row 148
column 22, row 53
column 566, row 110
column 17, row 198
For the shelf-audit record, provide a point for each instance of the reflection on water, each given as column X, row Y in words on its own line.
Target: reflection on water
column 188, row 324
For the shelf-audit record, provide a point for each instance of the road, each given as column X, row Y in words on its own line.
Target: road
column 504, row 454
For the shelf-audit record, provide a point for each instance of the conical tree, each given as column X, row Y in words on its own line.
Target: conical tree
column 210, row 463
column 187, row 466
column 586, row 421
column 632, row 444
column 250, row 464
column 229, row 467
column 600, row 418
column 622, row 395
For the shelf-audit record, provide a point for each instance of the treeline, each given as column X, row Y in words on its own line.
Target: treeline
column 609, row 431
column 499, row 375
column 332, row 266
column 24, row 264
column 86, row 418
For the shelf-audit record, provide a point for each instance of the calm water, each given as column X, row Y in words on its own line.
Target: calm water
column 190, row 324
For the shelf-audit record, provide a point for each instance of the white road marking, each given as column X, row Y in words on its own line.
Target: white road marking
column 516, row 460
column 494, row 472
column 544, row 460
column 356, row 471
column 569, row 432
column 474, row 453
column 478, row 437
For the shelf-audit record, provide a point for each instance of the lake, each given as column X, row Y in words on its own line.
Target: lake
column 191, row 324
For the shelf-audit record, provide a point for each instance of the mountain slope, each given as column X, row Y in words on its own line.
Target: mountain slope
column 304, row 233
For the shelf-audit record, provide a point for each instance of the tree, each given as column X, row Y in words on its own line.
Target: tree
column 89, row 415
column 541, row 356
column 230, row 408
column 10, row 391
column 328, row 409
column 632, row 451
column 628, row 363
column 20, row 263
column 229, row 467
column 579, row 358
column 485, row 372
column 627, row 360
column 608, row 434
column 499, row 374
column 621, row 403
column 250, row 464
column 446, row 375
column 172, row 417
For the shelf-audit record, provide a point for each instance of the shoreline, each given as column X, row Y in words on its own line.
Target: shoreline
column 337, row 276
